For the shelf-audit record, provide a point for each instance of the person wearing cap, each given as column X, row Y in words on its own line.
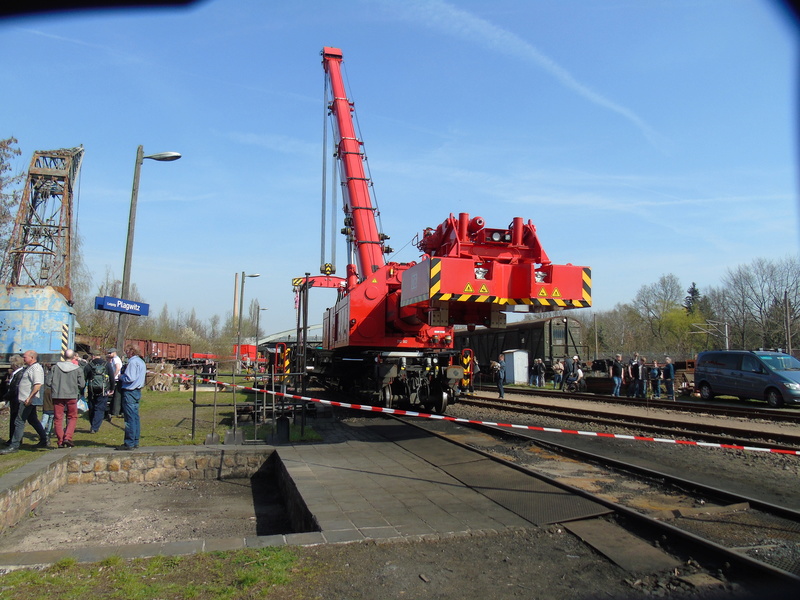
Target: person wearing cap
column 131, row 380
column 575, row 371
column 115, row 405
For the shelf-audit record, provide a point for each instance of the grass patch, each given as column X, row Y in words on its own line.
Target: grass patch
column 217, row 575
column 166, row 419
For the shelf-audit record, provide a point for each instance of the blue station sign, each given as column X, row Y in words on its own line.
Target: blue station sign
column 129, row 307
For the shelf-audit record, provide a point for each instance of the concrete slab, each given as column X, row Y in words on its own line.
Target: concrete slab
column 628, row 551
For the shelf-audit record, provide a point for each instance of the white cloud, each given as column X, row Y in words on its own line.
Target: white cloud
column 447, row 18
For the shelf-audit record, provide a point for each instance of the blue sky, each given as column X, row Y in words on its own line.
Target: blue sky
column 642, row 138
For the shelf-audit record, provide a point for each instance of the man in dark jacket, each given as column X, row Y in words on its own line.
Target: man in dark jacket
column 500, row 374
column 99, row 374
column 669, row 378
column 12, row 389
column 569, row 370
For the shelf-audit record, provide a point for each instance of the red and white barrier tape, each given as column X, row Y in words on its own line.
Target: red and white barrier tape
column 411, row 413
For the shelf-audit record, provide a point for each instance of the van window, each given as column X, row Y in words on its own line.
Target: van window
column 751, row 364
column 720, row 360
column 781, row 362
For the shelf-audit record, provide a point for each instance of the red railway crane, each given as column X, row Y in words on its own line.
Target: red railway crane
column 390, row 332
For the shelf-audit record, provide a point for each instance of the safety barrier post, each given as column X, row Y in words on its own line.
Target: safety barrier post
column 194, row 402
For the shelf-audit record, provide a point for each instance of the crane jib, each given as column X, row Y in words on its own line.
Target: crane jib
column 350, row 155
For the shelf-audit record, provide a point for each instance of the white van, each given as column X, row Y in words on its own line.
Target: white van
column 763, row 375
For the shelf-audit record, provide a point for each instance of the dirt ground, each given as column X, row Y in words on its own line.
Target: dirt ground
column 541, row 564
column 138, row 513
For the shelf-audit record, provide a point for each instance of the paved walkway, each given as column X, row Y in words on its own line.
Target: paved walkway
column 375, row 478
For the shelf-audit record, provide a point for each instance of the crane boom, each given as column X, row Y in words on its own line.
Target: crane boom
column 358, row 206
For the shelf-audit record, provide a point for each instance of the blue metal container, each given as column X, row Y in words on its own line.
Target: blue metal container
column 35, row 318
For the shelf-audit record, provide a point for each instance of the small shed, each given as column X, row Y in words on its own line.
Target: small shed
column 516, row 366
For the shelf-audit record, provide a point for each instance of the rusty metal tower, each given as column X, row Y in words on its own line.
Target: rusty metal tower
column 39, row 252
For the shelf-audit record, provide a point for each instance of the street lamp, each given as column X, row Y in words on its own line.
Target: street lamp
column 258, row 325
column 237, row 437
column 126, row 271
column 239, row 328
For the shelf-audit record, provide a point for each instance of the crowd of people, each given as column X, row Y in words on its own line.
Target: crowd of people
column 567, row 372
column 638, row 378
column 103, row 387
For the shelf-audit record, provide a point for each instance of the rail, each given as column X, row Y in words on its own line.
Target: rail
column 687, row 404
column 718, row 433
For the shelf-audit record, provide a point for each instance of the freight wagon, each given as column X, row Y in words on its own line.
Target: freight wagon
column 548, row 339
column 150, row 350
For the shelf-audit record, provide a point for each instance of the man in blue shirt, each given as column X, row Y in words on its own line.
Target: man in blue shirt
column 131, row 380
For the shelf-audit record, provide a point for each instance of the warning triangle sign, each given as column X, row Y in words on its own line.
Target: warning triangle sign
column 468, row 289
column 542, row 292
column 556, row 293
column 484, row 289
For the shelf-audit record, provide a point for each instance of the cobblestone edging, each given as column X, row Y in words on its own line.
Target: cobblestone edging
column 24, row 489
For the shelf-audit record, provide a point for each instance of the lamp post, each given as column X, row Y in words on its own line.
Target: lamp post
column 258, row 326
column 239, row 327
column 237, row 439
column 126, row 270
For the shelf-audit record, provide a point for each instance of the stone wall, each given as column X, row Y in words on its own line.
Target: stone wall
column 24, row 489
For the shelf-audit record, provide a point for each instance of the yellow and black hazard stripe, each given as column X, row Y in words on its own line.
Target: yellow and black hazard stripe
column 466, row 362
column 64, row 338
column 436, row 277
column 436, row 293
column 436, row 288
column 285, row 365
column 587, row 287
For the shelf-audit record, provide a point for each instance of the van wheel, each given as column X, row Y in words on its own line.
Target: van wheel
column 774, row 398
column 705, row 392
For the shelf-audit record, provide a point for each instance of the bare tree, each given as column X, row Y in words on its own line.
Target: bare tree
column 755, row 301
column 654, row 303
column 10, row 190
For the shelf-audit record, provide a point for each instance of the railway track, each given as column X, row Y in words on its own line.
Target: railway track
column 709, row 523
column 725, row 432
column 688, row 405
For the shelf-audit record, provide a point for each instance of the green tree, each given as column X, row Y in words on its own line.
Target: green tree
column 692, row 300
